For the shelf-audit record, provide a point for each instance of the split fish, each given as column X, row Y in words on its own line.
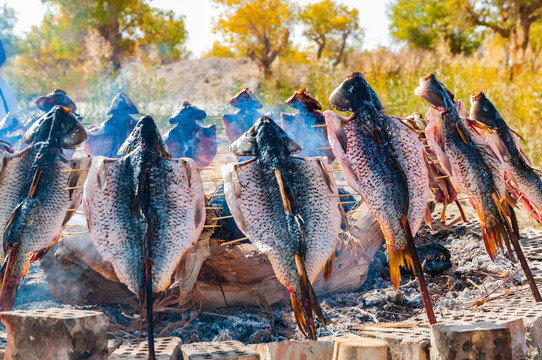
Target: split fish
column 189, row 139
column 302, row 126
column 289, row 208
column 382, row 159
column 471, row 170
column 145, row 211
column 523, row 180
column 39, row 187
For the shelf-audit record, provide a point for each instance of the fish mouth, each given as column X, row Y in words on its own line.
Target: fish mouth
column 432, row 91
column 245, row 99
column 301, row 99
column 476, row 96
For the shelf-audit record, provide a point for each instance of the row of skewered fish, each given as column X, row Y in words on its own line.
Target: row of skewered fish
column 146, row 209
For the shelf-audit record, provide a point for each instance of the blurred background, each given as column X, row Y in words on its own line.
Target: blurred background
column 162, row 52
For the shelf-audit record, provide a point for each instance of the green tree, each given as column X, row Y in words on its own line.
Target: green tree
column 122, row 23
column 328, row 22
column 8, row 20
column 422, row 24
column 259, row 29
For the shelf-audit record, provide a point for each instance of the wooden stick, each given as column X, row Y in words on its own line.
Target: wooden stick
column 427, row 145
column 316, row 126
column 441, row 177
column 73, row 210
column 343, row 185
column 352, row 212
column 324, row 148
column 335, row 170
column 212, row 180
column 341, row 195
column 207, row 168
column 234, row 241
column 211, row 226
column 435, row 189
column 423, row 138
column 77, row 233
column 215, row 195
column 223, row 217
column 348, row 202
column 73, row 188
column 73, row 170
column 213, row 208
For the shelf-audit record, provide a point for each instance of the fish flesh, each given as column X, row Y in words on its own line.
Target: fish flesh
column 382, row 159
column 289, row 208
column 524, row 182
column 466, row 162
column 37, row 187
column 145, row 212
column 189, row 139
column 308, row 126
column 107, row 138
column 237, row 123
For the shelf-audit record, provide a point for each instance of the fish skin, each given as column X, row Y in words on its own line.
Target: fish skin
column 366, row 167
column 177, row 206
column 526, row 179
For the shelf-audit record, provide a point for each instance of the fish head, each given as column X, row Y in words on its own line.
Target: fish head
column 353, row 92
column 188, row 114
column 59, row 127
column 432, row 91
column 245, row 99
column 303, row 100
column 56, row 97
column 122, row 104
column 265, row 135
column 145, row 135
column 483, row 110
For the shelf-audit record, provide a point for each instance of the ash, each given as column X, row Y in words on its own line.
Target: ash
column 460, row 274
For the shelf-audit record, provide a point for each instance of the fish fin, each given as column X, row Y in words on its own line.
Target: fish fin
column 8, row 289
column 40, row 254
column 396, row 260
column 515, row 132
column 344, row 218
column 328, row 267
column 427, row 217
column 8, row 243
column 461, row 133
column 307, row 303
column 325, row 174
column 478, row 125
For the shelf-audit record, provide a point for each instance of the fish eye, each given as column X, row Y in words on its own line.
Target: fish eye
column 63, row 124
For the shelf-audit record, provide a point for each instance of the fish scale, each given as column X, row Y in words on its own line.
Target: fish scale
column 119, row 235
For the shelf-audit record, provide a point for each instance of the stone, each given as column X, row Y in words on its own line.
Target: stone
column 59, row 334
column 484, row 340
column 403, row 343
column 223, row 350
column 294, row 350
column 165, row 348
column 360, row 349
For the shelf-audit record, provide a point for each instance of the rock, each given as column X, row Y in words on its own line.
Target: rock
column 59, row 334
column 473, row 341
column 165, row 348
column 360, row 349
column 294, row 350
column 223, row 350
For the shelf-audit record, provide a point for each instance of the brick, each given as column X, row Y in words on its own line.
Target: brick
column 403, row 344
column 165, row 348
column 294, row 350
column 223, row 350
column 360, row 349
column 60, row 334
column 483, row 340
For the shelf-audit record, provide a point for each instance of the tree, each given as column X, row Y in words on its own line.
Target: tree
column 122, row 23
column 422, row 25
column 259, row 29
column 326, row 22
column 8, row 19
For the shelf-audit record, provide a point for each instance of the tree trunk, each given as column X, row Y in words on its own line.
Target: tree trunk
column 111, row 33
column 341, row 50
column 519, row 43
column 321, row 46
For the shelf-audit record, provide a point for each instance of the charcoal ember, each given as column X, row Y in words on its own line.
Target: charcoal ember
column 435, row 257
column 188, row 138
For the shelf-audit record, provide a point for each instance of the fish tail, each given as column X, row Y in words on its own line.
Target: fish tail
column 305, row 303
column 9, row 283
column 328, row 267
column 396, row 259
column 428, row 218
column 496, row 230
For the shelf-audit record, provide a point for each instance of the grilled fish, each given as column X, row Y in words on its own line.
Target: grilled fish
column 107, row 138
column 300, row 125
column 37, row 186
column 382, row 159
column 289, row 208
column 144, row 211
column 239, row 122
column 471, row 173
column 524, row 181
column 189, row 139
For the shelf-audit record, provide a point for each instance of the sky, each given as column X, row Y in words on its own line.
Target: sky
column 199, row 16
